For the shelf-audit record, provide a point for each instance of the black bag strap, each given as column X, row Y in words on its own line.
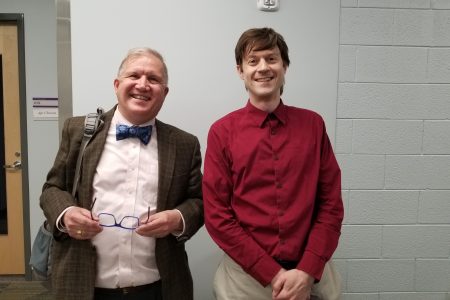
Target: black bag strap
column 91, row 123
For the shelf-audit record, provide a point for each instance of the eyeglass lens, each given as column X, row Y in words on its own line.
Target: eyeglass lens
column 127, row 222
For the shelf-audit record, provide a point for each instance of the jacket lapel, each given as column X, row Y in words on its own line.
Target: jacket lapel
column 166, row 161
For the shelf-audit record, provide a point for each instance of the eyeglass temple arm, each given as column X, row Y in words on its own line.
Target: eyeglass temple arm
column 92, row 206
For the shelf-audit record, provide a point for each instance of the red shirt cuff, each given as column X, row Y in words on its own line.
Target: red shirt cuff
column 265, row 270
column 312, row 264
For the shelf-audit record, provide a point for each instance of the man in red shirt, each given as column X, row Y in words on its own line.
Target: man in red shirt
column 271, row 185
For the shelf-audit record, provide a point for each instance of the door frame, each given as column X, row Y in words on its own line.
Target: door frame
column 18, row 20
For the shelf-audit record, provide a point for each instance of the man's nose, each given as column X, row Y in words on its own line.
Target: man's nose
column 142, row 82
column 262, row 66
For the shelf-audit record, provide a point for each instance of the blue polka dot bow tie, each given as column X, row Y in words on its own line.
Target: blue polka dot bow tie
column 143, row 133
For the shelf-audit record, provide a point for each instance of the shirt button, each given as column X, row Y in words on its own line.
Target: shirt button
column 278, row 185
column 275, row 157
column 272, row 131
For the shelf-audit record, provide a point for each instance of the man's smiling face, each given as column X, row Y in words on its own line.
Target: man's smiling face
column 263, row 74
column 141, row 88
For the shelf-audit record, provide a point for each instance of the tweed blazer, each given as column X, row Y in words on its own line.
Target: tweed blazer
column 74, row 261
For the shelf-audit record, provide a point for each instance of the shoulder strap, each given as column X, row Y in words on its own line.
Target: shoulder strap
column 91, row 123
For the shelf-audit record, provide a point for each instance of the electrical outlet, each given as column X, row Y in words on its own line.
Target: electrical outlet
column 268, row 5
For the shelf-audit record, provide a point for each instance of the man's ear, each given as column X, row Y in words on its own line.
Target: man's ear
column 116, row 84
column 239, row 71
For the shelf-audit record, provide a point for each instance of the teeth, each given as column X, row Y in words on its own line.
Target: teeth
column 264, row 79
column 140, row 97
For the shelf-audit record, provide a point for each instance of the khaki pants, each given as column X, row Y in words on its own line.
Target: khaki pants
column 231, row 282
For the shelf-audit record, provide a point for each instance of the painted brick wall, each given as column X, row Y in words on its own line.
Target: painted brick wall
column 393, row 145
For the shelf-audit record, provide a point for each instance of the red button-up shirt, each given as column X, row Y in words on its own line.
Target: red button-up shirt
column 272, row 190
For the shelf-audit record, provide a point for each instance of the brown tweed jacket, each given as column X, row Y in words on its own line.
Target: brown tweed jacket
column 74, row 261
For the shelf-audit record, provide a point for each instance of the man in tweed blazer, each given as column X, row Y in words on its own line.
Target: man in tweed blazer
column 90, row 261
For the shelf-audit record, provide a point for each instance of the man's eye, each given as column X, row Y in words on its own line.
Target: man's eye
column 133, row 76
column 154, row 80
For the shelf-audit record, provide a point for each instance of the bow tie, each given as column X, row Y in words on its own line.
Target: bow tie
column 143, row 133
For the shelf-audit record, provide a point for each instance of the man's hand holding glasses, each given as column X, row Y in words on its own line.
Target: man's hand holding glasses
column 162, row 224
column 82, row 224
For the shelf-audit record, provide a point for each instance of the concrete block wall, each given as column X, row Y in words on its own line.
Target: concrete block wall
column 393, row 146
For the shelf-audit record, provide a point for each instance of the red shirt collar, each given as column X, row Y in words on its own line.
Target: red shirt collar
column 258, row 117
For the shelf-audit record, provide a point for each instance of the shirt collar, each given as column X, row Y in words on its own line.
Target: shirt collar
column 259, row 116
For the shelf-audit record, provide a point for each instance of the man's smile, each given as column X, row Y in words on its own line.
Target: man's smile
column 263, row 79
column 140, row 97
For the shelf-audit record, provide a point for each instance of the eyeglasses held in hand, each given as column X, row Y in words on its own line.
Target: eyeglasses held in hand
column 127, row 222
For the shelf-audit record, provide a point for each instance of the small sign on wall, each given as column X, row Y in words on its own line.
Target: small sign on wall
column 45, row 108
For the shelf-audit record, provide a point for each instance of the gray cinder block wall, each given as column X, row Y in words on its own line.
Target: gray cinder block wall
column 393, row 145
